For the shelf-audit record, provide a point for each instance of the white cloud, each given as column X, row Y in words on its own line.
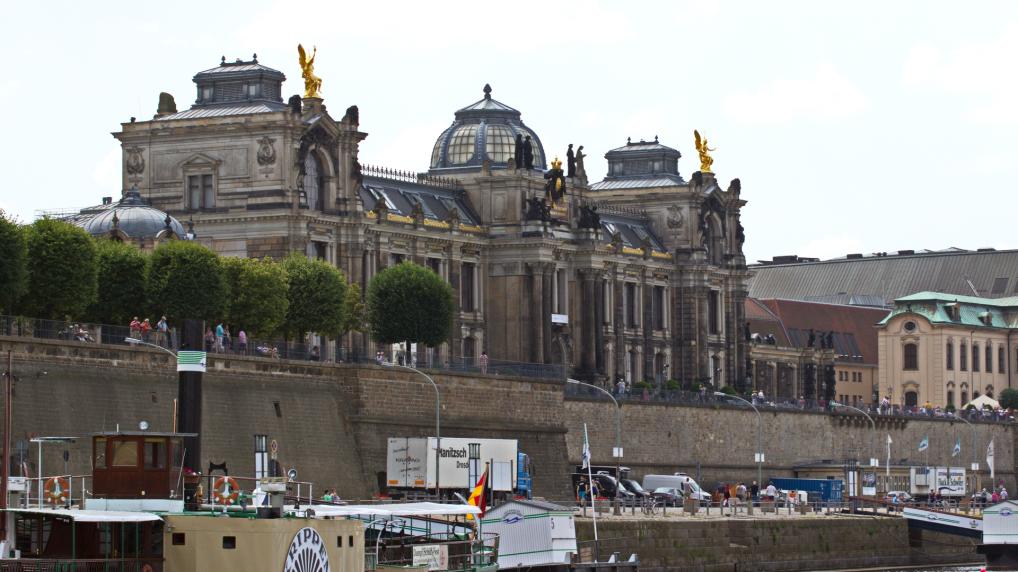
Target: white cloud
column 827, row 247
column 981, row 71
column 827, row 96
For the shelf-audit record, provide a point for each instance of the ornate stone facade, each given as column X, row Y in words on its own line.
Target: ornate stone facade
column 639, row 276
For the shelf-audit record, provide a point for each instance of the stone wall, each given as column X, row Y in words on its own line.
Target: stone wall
column 806, row 543
column 332, row 421
column 719, row 442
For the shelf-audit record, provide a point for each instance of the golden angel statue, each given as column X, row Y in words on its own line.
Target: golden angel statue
column 701, row 147
column 312, row 83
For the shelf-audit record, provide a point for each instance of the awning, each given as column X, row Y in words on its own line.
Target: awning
column 390, row 510
column 90, row 515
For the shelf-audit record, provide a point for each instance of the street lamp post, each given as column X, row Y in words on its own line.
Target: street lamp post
column 873, row 425
column 438, row 422
column 151, row 345
column 618, row 435
column 759, row 428
column 975, row 458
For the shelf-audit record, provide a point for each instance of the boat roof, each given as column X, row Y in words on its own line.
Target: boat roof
column 91, row 515
column 391, row 510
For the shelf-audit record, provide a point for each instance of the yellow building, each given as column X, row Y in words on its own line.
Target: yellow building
column 946, row 349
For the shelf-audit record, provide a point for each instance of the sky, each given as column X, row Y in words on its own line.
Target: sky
column 854, row 127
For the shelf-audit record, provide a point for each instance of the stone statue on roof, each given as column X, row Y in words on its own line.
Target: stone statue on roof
column 555, row 188
column 570, row 162
column 312, row 83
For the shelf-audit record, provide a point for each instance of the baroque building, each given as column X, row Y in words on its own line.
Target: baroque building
column 639, row 276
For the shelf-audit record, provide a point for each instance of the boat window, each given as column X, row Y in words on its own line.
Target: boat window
column 125, row 453
column 155, row 453
column 179, row 539
column 100, row 453
column 339, row 542
column 229, row 542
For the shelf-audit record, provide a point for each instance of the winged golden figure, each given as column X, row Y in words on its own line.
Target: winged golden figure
column 701, row 147
column 312, row 83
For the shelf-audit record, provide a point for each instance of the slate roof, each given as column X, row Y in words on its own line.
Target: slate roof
column 222, row 111
column 855, row 333
column 400, row 197
column 762, row 321
column 993, row 273
column 660, row 180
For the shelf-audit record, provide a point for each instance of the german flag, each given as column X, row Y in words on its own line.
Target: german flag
column 479, row 496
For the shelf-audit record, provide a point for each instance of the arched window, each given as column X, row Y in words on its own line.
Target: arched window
column 963, row 356
column 964, row 397
column 950, row 398
column 949, row 355
column 989, row 357
column 911, row 357
column 1000, row 360
column 989, row 391
column 468, row 349
column 975, row 357
column 313, row 180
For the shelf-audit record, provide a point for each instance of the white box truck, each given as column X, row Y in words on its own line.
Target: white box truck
column 945, row 481
column 410, row 463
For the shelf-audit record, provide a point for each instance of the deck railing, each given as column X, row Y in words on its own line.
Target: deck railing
column 82, row 565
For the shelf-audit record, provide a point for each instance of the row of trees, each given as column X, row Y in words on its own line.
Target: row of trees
column 55, row 270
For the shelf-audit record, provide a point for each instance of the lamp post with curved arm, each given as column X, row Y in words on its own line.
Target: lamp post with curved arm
column 618, row 435
column 136, row 341
column 759, row 428
column 873, row 425
column 438, row 421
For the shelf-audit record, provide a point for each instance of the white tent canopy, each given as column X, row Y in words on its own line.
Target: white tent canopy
column 91, row 515
column 390, row 510
column 981, row 401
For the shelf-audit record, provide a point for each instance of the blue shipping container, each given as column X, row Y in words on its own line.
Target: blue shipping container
column 824, row 489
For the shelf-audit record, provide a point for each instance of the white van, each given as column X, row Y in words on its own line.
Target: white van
column 680, row 481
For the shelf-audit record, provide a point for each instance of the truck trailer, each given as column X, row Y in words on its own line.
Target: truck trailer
column 410, row 465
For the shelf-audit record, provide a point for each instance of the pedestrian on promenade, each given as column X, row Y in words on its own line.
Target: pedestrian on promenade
column 136, row 328
column 227, row 339
column 242, row 341
column 220, row 332
column 146, row 328
column 484, row 363
column 754, row 491
column 210, row 340
column 316, row 355
column 162, row 331
column 581, row 491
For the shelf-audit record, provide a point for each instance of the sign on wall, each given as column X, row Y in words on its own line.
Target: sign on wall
column 307, row 553
column 434, row 556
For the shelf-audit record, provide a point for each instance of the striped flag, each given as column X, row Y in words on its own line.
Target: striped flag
column 957, row 448
column 924, row 444
column 479, row 494
column 188, row 360
column 586, row 449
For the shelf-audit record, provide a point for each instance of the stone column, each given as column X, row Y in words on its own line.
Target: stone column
column 598, row 324
column 588, row 324
column 545, row 319
column 535, row 304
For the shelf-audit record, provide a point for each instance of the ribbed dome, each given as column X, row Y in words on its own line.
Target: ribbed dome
column 486, row 129
column 132, row 217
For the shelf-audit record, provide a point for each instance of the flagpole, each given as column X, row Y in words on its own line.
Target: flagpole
column 887, row 472
column 590, row 486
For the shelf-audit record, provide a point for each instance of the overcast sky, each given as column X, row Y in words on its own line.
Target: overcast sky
column 854, row 126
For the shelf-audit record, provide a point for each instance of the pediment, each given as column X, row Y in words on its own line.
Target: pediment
column 199, row 160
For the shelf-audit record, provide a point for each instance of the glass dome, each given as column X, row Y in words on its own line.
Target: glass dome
column 131, row 217
column 484, row 130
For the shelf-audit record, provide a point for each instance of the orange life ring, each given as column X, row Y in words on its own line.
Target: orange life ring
column 58, row 490
column 225, row 490
column 147, row 568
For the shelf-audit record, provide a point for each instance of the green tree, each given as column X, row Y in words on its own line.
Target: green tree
column 410, row 303
column 186, row 280
column 13, row 263
column 353, row 310
column 317, row 292
column 1009, row 398
column 258, row 295
column 121, row 278
column 61, row 270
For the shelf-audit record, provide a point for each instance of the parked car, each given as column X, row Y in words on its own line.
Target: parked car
column 635, row 488
column 680, row 481
column 902, row 496
column 668, row 496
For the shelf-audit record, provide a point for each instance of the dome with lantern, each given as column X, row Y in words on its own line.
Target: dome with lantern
column 484, row 130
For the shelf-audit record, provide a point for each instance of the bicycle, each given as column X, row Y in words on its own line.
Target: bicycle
column 649, row 506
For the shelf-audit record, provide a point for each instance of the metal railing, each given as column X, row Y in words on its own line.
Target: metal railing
column 27, row 564
column 707, row 398
column 462, row 554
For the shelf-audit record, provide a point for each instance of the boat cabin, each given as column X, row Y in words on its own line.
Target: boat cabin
column 137, row 464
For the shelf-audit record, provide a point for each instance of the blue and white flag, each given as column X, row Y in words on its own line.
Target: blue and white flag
column 924, row 444
column 586, row 449
column 957, row 448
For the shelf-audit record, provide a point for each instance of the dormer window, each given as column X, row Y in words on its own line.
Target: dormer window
column 206, row 93
column 254, row 90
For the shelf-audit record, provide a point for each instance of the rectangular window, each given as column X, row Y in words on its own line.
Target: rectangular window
column 125, row 453
column 911, row 360
column 208, row 197
column 659, row 307
column 714, row 311
column 949, row 356
column 179, row 539
column 963, row 357
column 435, row 265
column 989, row 358
column 630, row 294
column 200, row 194
column 155, row 453
column 975, row 357
column 1000, row 360
column 467, row 301
column 229, row 542
column 100, row 452
column 321, row 249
